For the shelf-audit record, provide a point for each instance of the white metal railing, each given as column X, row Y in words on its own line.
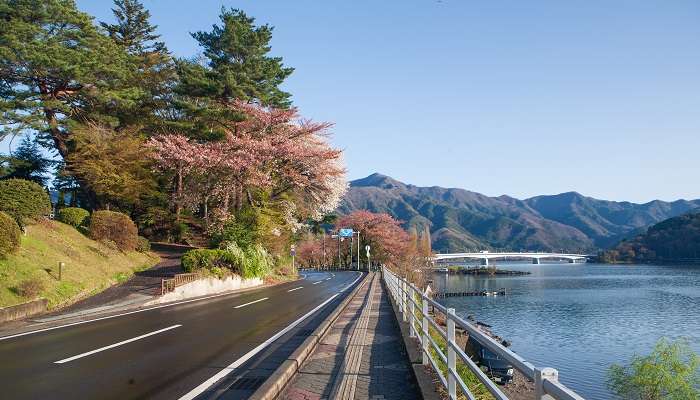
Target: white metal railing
column 411, row 301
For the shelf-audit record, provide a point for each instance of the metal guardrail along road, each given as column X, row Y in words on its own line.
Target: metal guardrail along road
column 411, row 301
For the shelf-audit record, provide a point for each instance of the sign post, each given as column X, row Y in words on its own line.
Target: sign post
column 369, row 263
column 293, row 252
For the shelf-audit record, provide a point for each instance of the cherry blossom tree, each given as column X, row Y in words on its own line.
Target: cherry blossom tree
column 389, row 242
column 271, row 157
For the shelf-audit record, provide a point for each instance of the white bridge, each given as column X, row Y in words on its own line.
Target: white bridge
column 485, row 256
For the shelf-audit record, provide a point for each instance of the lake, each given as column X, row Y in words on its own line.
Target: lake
column 580, row 318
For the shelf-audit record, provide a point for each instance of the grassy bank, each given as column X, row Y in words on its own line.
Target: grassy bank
column 90, row 266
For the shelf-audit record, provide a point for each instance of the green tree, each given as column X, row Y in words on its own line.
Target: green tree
column 236, row 65
column 56, row 66
column 670, row 372
column 28, row 163
column 114, row 166
column 153, row 69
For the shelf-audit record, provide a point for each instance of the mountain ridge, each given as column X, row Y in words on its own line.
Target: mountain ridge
column 460, row 219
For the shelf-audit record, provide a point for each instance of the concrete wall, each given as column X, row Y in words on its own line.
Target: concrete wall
column 206, row 286
column 23, row 310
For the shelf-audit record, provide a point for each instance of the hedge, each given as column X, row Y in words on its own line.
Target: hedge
column 208, row 259
column 9, row 235
column 115, row 227
column 73, row 216
column 23, row 200
column 254, row 262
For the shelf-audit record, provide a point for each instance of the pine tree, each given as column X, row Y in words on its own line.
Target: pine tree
column 27, row 162
column 153, row 69
column 57, row 67
column 237, row 66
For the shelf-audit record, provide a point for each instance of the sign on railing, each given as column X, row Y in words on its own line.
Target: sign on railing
column 427, row 332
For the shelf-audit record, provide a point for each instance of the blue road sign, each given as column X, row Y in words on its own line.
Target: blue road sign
column 345, row 232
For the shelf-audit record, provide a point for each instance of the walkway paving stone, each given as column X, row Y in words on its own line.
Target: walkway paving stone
column 378, row 370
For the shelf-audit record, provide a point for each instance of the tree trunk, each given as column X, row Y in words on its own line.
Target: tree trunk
column 178, row 195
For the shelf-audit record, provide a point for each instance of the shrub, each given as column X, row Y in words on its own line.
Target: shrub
column 144, row 245
column 671, row 371
column 255, row 261
column 30, row 288
column 73, row 216
column 23, row 200
column 208, row 259
column 9, row 235
column 116, row 227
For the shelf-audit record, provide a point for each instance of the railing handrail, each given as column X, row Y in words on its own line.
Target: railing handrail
column 403, row 292
column 168, row 285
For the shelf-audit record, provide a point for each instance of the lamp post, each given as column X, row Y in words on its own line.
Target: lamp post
column 338, row 237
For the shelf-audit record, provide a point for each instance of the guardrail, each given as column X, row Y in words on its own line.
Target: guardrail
column 410, row 300
column 168, row 285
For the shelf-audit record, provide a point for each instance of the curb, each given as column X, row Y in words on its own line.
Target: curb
column 285, row 372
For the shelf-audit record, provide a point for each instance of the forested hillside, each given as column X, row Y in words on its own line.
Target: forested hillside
column 459, row 219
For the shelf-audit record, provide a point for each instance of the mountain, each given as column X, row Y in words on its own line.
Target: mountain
column 460, row 219
column 675, row 239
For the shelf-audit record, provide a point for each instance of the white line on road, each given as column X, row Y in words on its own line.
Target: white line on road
column 211, row 381
column 252, row 302
column 353, row 282
column 296, row 288
column 111, row 346
column 328, row 279
column 316, row 283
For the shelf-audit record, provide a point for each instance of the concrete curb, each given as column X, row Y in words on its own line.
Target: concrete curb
column 276, row 383
column 423, row 377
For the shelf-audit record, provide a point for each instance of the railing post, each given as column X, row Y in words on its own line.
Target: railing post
column 162, row 286
column 549, row 374
column 451, row 355
column 425, row 342
column 403, row 297
column 412, row 308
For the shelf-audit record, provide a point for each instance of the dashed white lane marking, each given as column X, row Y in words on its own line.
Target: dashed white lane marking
column 252, row 302
column 212, row 381
column 111, row 346
column 316, row 283
column 296, row 288
column 328, row 279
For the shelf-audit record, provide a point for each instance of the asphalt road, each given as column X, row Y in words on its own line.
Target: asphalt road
column 171, row 352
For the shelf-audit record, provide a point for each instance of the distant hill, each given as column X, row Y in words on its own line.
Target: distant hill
column 675, row 239
column 460, row 219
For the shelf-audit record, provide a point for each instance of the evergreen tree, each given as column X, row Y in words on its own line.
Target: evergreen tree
column 237, row 65
column 153, row 69
column 28, row 163
column 57, row 67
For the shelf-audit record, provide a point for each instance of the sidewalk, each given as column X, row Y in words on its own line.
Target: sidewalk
column 362, row 356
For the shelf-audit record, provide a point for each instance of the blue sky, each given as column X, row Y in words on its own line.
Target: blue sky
column 499, row 97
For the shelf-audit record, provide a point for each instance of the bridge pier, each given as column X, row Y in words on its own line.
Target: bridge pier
column 572, row 261
column 536, row 261
column 484, row 262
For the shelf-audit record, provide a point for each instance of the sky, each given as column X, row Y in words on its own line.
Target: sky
column 500, row 97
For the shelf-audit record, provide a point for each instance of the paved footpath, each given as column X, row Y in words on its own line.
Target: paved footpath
column 361, row 357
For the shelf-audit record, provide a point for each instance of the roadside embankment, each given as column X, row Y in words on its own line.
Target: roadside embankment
column 89, row 266
column 207, row 286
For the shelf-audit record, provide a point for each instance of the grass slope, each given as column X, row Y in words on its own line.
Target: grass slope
column 90, row 266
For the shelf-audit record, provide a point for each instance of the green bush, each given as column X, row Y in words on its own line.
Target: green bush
column 115, row 227
column 23, row 200
column 9, row 235
column 255, row 261
column 73, row 216
column 208, row 259
column 144, row 245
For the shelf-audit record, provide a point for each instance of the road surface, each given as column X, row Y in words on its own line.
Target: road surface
column 169, row 352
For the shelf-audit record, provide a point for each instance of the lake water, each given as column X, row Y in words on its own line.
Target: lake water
column 580, row 318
